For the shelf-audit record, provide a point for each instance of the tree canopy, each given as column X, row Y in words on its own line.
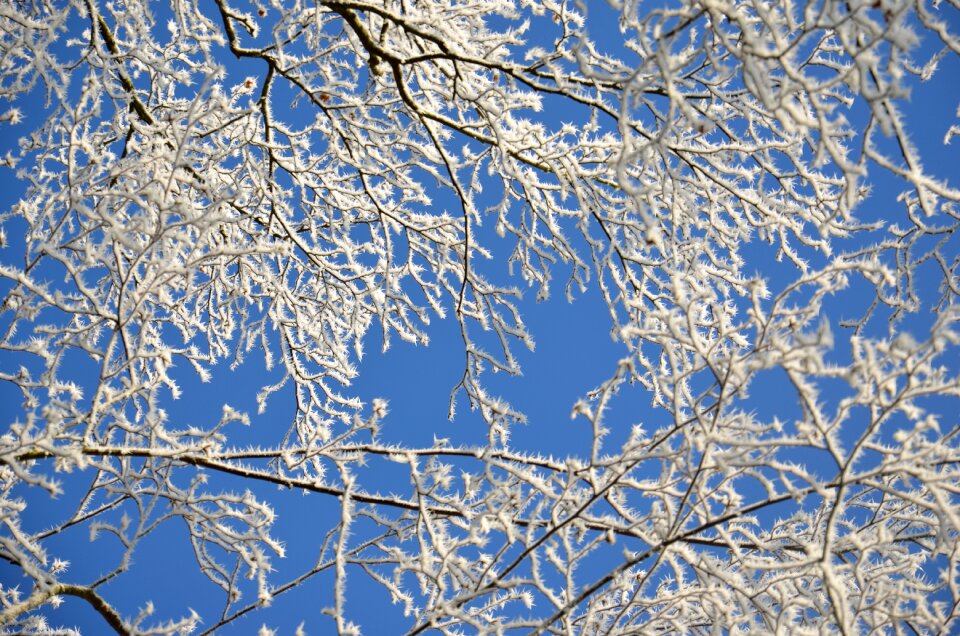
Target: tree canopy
column 752, row 190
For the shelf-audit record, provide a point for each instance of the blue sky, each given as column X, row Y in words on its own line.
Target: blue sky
column 574, row 353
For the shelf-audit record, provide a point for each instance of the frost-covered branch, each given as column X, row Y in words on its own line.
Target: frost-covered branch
column 276, row 188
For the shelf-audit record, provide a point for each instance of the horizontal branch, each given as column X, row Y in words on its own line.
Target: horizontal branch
column 43, row 594
column 222, row 464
